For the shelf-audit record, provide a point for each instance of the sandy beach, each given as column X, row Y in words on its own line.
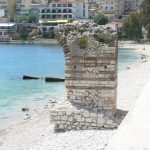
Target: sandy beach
column 36, row 133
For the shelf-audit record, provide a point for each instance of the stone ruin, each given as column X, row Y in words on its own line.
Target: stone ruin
column 91, row 53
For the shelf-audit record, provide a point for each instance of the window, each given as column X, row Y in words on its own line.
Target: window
column 53, row 16
column 48, row 16
column 70, row 16
column 64, row 5
column 58, row 5
column 43, row 10
column 58, row 16
column 59, row 11
column 53, row 5
column 69, row 11
column 44, row 29
column 65, row 16
column 53, row 11
column 43, row 17
column 69, row 5
column 83, row 12
column 48, row 10
column 64, row 10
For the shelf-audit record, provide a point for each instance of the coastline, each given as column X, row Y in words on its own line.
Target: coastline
column 36, row 132
column 37, row 41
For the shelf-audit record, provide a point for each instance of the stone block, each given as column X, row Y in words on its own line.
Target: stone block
column 68, row 112
column 64, row 118
column 93, row 114
column 78, row 118
column 88, row 120
column 86, row 114
column 101, row 121
column 109, row 122
column 57, row 117
column 70, row 118
column 61, row 126
column 100, row 115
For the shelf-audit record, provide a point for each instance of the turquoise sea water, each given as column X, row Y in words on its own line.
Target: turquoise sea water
column 39, row 61
column 126, row 57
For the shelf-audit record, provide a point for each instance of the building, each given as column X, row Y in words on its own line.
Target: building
column 6, row 30
column 68, row 9
column 3, row 7
column 47, row 25
column 2, row 13
column 132, row 5
column 7, row 6
column 113, row 8
column 24, row 6
column 60, row 12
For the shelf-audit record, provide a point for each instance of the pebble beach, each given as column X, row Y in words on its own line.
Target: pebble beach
column 36, row 132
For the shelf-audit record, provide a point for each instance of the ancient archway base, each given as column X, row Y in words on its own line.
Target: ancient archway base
column 90, row 77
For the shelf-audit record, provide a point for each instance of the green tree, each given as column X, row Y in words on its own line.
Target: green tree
column 101, row 19
column 145, row 15
column 32, row 17
column 11, row 17
column 23, row 32
column 133, row 26
column 120, row 33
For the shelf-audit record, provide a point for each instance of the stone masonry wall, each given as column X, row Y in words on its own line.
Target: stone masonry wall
column 90, row 77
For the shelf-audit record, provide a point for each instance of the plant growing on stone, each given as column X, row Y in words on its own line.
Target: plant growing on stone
column 99, row 38
column 82, row 43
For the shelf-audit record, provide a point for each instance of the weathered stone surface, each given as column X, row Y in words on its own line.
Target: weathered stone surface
column 90, row 76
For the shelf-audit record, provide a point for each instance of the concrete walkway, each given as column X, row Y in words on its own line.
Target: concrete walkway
column 134, row 131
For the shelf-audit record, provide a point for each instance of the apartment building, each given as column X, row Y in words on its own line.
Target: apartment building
column 64, row 9
column 60, row 12
column 132, row 5
column 114, row 8
column 23, row 6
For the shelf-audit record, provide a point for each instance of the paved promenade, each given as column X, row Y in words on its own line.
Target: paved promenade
column 134, row 132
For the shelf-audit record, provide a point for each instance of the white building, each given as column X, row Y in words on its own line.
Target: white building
column 3, row 7
column 60, row 12
column 113, row 7
column 70, row 9
column 24, row 6
column 6, row 30
column 2, row 12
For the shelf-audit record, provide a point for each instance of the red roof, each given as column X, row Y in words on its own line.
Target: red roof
column 5, row 35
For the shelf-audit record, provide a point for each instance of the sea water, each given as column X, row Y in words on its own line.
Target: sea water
column 126, row 57
column 38, row 61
